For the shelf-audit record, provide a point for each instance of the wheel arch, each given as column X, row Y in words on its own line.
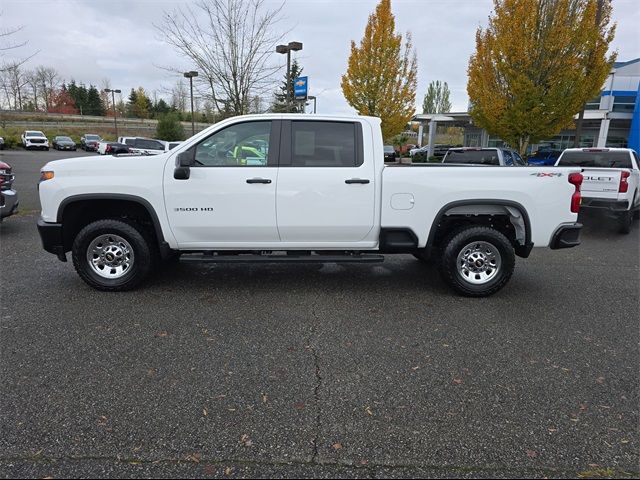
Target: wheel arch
column 73, row 210
column 516, row 212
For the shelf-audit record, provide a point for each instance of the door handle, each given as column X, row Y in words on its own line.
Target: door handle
column 356, row 180
column 258, row 180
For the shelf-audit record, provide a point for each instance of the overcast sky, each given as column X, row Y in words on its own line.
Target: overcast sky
column 90, row 40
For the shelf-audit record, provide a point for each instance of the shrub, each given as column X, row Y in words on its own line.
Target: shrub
column 169, row 128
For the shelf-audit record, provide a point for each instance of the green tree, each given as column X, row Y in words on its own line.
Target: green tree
column 536, row 65
column 280, row 101
column 381, row 78
column 94, row 104
column 131, row 102
column 437, row 99
column 169, row 128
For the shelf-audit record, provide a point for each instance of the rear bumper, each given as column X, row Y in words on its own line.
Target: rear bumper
column 566, row 236
column 604, row 204
column 52, row 240
column 8, row 203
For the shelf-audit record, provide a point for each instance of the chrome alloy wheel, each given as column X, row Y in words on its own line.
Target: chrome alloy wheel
column 479, row 262
column 110, row 256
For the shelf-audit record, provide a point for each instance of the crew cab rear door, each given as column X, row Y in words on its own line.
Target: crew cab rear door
column 326, row 189
column 229, row 199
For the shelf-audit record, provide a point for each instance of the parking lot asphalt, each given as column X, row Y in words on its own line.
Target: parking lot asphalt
column 318, row 371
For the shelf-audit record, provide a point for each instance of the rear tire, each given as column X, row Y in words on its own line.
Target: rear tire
column 625, row 219
column 113, row 255
column 477, row 261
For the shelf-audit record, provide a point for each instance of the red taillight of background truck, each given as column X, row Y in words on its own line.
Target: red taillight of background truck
column 624, row 182
column 576, row 180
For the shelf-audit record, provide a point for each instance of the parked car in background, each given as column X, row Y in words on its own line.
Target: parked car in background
column 147, row 146
column 112, row 148
column 503, row 157
column 390, row 154
column 34, row 139
column 611, row 181
column 544, row 157
column 89, row 142
column 63, row 143
column 8, row 196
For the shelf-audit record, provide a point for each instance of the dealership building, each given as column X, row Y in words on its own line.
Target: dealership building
column 612, row 119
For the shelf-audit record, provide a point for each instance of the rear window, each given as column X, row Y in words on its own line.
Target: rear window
column 388, row 149
column 92, row 137
column 34, row 134
column 481, row 157
column 610, row 159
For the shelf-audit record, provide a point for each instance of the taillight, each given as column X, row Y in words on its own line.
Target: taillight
column 576, row 180
column 107, row 149
column 624, row 183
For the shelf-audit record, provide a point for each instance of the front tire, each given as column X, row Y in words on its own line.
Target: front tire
column 112, row 255
column 477, row 261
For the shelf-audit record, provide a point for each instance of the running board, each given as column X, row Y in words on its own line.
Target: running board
column 250, row 258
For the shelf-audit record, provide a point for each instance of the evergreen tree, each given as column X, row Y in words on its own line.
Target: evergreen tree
column 94, row 102
column 280, row 101
column 133, row 99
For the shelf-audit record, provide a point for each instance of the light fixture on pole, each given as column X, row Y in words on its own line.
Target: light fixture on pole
column 190, row 76
column 312, row 97
column 115, row 112
column 292, row 46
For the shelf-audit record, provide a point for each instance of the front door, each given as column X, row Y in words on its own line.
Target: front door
column 229, row 199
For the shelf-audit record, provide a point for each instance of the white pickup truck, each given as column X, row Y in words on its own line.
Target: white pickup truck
column 611, row 180
column 300, row 188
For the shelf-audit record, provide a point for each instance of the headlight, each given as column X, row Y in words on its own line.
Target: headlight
column 46, row 175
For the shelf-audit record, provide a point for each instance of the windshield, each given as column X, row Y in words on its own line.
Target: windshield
column 35, row 134
column 92, row 137
column 388, row 149
column 482, row 157
column 64, row 139
column 598, row 159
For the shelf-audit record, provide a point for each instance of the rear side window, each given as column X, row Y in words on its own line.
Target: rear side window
column 508, row 158
column 480, row 157
column 324, row 144
column 130, row 141
column 149, row 144
column 597, row 159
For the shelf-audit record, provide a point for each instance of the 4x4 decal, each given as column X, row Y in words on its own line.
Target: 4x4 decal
column 547, row 174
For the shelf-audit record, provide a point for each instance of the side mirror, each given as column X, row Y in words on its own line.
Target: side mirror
column 184, row 162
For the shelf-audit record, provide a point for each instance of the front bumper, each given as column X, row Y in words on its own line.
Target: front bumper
column 36, row 145
column 604, row 204
column 566, row 236
column 8, row 203
column 52, row 239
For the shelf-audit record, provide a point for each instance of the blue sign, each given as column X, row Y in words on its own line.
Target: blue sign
column 300, row 88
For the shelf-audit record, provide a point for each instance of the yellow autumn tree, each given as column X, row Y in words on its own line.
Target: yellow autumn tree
column 536, row 65
column 381, row 78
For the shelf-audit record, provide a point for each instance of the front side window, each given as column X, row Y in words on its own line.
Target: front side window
column 323, row 144
column 240, row 145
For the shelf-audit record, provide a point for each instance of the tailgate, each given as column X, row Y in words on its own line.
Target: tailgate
column 601, row 182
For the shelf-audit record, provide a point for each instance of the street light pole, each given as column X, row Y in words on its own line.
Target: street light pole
column 115, row 112
column 190, row 76
column 292, row 46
